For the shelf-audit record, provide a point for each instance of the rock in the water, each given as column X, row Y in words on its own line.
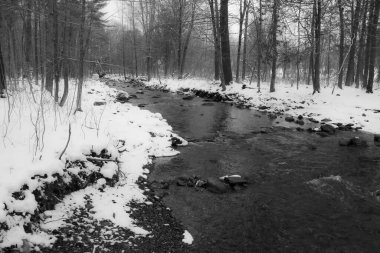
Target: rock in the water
column 354, row 142
column 263, row 107
column 323, row 134
column 376, row 138
column 313, row 120
column 328, row 129
column 188, row 97
column 176, row 141
column 141, row 105
column 300, row 122
column 289, row 119
column 133, row 96
column 122, row 97
column 235, row 180
column 99, row 103
column 214, row 185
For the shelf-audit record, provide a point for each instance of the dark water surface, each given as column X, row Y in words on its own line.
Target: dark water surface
column 282, row 209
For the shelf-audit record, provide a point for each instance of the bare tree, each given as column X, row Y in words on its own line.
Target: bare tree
column 225, row 42
column 81, row 57
column 274, row 44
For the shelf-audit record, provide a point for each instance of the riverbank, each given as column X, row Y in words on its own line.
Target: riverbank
column 56, row 163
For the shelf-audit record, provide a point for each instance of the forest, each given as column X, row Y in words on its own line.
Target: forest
column 305, row 42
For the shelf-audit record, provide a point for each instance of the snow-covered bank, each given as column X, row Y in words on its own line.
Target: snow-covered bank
column 34, row 136
column 345, row 106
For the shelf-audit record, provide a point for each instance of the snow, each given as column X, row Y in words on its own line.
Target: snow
column 187, row 237
column 349, row 105
column 33, row 136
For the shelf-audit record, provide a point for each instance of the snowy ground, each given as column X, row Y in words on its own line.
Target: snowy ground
column 345, row 106
column 33, row 137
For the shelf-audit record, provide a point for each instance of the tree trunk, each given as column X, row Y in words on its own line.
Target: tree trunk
column 49, row 74
column 187, row 41
column 179, row 50
column 3, row 84
column 215, row 29
column 259, row 35
column 225, row 42
column 341, row 44
column 65, row 59
column 81, row 56
column 298, row 44
column 359, row 68
column 56, row 49
column 28, row 34
column 241, row 20
column 274, row 45
column 351, row 56
column 316, row 83
column 36, row 18
column 134, row 39
column 373, row 48
column 368, row 44
column 245, row 42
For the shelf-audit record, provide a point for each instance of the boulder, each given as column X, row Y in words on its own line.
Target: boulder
column 188, row 97
column 122, row 97
column 235, row 180
column 214, row 185
column 353, row 142
column 328, row 129
column 175, row 141
column 300, row 122
column 289, row 118
column 323, row 134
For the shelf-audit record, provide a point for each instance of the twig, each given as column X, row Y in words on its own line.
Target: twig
column 97, row 159
column 67, row 143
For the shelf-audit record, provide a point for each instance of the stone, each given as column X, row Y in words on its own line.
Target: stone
column 188, row 97
column 175, row 141
column 300, row 122
column 313, row 120
column 139, row 92
column 263, row 107
column 235, row 180
column 141, row 105
column 328, row 129
column 300, row 117
column 326, row 120
column 214, row 185
column 99, row 103
column 289, row 118
column 353, row 142
column 122, row 97
column 323, row 134
column 376, row 137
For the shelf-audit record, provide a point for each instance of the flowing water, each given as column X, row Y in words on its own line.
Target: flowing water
column 294, row 202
